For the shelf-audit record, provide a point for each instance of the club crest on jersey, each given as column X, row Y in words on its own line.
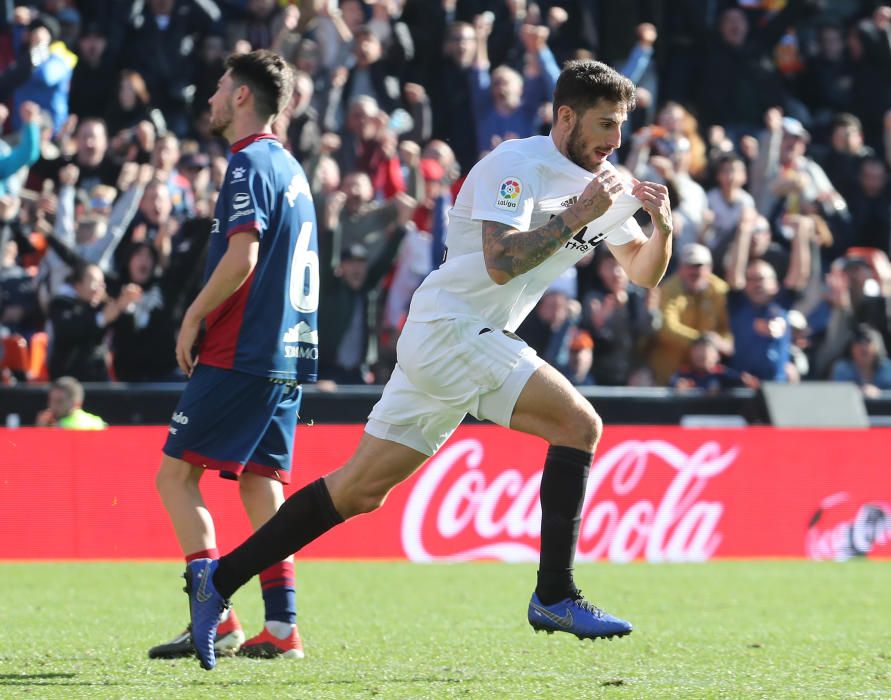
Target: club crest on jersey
column 509, row 194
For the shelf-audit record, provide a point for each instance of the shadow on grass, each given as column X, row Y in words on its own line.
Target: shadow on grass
column 29, row 678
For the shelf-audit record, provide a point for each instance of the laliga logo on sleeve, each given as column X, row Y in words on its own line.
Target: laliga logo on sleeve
column 509, row 194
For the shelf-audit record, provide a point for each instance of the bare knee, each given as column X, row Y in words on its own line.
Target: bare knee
column 175, row 476
column 251, row 489
column 582, row 429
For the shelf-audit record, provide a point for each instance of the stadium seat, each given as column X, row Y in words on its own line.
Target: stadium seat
column 16, row 356
column 38, row 370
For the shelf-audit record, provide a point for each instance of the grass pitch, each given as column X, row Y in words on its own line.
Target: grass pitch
column 396, row 630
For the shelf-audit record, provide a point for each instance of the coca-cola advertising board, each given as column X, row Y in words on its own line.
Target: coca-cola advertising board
column 654, row 493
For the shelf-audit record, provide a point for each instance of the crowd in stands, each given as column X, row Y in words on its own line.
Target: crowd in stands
column 768, row 120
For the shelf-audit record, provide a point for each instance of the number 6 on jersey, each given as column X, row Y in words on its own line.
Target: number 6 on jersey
column 303, row 283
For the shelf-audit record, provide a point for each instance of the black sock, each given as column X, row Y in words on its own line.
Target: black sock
column 562, row 494
column 306, row 515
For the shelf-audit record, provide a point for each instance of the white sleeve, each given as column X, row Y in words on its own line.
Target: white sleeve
column 504, row 190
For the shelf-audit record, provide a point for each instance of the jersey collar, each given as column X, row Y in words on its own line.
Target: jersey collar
column 248, row 140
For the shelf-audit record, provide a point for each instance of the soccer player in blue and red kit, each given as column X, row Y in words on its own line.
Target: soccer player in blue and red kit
column 259, row 302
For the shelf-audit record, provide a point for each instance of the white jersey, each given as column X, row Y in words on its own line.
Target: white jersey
column 522, row 183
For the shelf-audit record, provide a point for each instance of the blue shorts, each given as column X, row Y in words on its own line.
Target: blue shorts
column 235, row 422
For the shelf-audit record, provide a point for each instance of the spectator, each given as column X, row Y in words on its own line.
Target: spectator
column 705, row 371
column 94, row 163
column 846, row 151
column 551, row 328
column 358, row 218
column 370, row 147
column 670, row 154
column 165, row 159
column 640, row 69
column 870, row 206
column 415, row 259
column 693, row 303
column 303, row 133
column 50, row 80
column 866, row 364
column 383, row 145
column 801, row 349
column 740, row 81
column 64, row 408
column 621, row 319
column 159, row 44
column 346, row 326
column 92, row 238
column 754, row 231
column 871, row 91
column 786, row 181
column 26, row 152
column 154, row 222
column 144, row 334
column 372, row 74
column 92, row 89
column 675, row 130
column 451, row 96
column 80, row 321
column 210, row 61
column 759, row 318
column 19, row 311
column 15, row 63
column 505, row 104
column 825, row 84
column 857, row 291
column 728, row 202
column 130, row 104
column 69, row 23
column 581, row 358
column 195, row 169
column 266, row 25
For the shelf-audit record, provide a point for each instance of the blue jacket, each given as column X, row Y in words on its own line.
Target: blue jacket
column 26, row 152
column 48, row 86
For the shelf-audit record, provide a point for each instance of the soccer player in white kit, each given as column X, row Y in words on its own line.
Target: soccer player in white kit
column 527, row 211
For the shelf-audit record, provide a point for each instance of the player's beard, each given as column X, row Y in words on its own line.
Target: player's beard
column 576, row 149
column 219, row 124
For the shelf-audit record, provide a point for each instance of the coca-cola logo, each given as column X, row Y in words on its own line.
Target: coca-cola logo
column 842, row 529
column 644, row 499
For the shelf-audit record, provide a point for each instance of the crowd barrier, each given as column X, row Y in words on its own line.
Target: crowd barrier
column 654, row 493
column 153, row 404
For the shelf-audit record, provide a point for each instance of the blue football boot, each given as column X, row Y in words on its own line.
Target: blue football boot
column 206, row 606
column 576, row 616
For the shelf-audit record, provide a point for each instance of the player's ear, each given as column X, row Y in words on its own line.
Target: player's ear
column 242, row 92
column 566, row 116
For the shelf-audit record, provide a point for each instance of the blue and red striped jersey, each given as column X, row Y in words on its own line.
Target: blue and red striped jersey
column 268, row 327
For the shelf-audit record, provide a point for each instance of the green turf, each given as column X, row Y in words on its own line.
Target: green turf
column 393, row 630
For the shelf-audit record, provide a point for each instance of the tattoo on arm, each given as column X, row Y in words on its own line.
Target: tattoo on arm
column 513, row 252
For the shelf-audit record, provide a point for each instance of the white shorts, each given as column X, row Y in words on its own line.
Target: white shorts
column 445, row 370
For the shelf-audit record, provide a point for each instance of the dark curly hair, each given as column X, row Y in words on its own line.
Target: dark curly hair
column 582, row 84
column 269, row 77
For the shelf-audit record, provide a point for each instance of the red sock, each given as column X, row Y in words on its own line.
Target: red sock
column 212, row 553
column 278, row 586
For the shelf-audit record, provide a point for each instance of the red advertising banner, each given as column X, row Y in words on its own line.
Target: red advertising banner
column 654, row 493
